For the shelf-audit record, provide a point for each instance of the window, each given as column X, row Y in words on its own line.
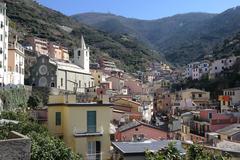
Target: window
column 91, row 121
column 215, row 68
column 210, row 115
column 79, row 53
column 0, row 64
column 94, row 148
column 79, row 84
column 52, row 84
column 1, row 50
column 1, row 37
column 89, row 84
column 61, row 81
column 200, row 95
column 58, row 119
column 16, row 68
column 193, row 96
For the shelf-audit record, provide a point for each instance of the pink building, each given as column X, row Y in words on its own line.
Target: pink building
column 138, row 131
column 209, row 121
column 134, row 87
column 117, row 83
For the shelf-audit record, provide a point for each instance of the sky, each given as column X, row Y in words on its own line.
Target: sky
column 141, row 9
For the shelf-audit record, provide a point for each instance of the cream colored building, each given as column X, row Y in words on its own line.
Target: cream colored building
column 15, row 61
column 84, row 127
column 58, row 52
column 199, row 97
column 39, row 45
column 97, row 75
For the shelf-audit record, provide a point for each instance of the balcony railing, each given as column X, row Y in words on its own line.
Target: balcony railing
column 196, row 132
column 90, row 131
column 95, row 156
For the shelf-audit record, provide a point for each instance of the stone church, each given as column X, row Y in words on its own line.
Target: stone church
column 65, row 75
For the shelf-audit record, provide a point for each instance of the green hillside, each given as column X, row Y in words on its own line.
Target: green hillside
column 31, row 18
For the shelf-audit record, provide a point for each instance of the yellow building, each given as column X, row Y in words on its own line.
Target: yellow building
column 199, row 97
column 97, row 75
column 84, row 127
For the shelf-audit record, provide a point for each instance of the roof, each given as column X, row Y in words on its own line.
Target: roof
column 129, row 126
column 228, row 146
column 81, row 104
column 131, row 101
column 193, row 90
column 141, row 147
column 134, row 124
column 68, row 66
column 230, row 130
column 236, row 88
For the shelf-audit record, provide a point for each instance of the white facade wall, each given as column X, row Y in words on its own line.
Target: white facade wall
column 67, row 80
column 4, row 77
column 219, row 65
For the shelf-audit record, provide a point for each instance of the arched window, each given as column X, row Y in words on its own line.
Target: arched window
column 52, row 84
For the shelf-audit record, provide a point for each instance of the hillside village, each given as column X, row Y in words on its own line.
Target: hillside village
column 99, row 111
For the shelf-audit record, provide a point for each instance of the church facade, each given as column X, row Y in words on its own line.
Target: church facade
column 64, row 75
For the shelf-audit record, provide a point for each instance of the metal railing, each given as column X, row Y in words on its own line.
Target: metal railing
column 94, row 156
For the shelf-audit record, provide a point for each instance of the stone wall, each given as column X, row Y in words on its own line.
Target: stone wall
column 17, row 147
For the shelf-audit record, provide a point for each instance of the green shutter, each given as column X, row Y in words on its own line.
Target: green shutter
column 58, row 118
column 91, row 121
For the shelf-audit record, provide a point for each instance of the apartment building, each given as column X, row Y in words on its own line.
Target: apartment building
column 56, row 51
column 84, row 127
column 4, row 27
column 196, row 70
column 207, row 121
column 229, row 99
column 16, row 58
column 39, row 45
column 219, row 65
column 199, row 98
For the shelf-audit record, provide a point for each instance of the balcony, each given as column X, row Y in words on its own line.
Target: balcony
column 90, row 131
column 196, row 132
column 95, row 156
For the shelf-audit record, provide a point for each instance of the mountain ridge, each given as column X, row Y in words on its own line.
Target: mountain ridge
column 182, row 38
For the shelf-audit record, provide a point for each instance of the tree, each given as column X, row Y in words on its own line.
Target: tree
column 169, row 153
column 33, row 102
column 44, row 146
column 194, row 152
